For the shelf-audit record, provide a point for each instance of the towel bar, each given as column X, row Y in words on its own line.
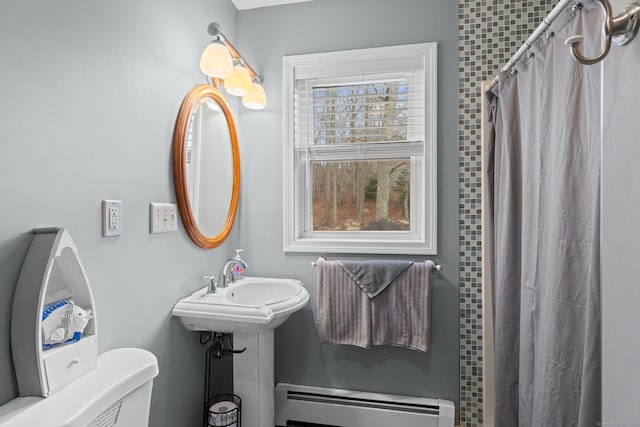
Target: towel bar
column 436, row 267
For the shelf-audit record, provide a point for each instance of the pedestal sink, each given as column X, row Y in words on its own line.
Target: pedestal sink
column 250, row 309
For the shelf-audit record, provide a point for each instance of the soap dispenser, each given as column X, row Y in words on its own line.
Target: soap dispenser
column 238, row 271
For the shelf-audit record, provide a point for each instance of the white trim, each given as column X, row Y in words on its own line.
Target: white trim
column 254, row 4
column 422, row 238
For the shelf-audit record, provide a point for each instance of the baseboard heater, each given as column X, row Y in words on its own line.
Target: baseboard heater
column 348, row 408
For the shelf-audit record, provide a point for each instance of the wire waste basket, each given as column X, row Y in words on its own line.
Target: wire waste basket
column 224, row 411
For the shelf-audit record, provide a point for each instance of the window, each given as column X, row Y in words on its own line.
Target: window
column 360, row 147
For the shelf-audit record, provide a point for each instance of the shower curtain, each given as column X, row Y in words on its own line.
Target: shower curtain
column 542, row 180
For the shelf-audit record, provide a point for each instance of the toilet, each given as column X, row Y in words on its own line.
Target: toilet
column 117, row 393
column 62, row 381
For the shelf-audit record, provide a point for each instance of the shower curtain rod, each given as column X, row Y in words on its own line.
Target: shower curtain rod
column 620, row 30
column 537, row 33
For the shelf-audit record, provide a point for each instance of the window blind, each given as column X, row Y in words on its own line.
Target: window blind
column 387, row 110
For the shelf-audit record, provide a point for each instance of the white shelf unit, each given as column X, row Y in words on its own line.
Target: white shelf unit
column 51, row 272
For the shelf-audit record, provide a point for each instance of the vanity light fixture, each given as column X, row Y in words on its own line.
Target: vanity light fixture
column 216, row 61
column 256, row 99
column 240, row 80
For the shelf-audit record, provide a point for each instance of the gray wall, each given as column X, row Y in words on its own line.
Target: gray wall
column 620, row 245
column 89, row 94
column 265, row 35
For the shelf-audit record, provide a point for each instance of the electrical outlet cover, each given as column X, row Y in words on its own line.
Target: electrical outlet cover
column 111, row 218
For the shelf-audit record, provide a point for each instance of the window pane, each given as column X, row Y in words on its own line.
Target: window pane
column 372, row 112
column 370, row 195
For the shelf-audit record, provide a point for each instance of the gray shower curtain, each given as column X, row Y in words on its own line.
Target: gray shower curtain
column 542, row 173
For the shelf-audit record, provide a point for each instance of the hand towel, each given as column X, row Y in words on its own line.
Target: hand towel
column 401, row 315
column 374, row 276
column 344, row 312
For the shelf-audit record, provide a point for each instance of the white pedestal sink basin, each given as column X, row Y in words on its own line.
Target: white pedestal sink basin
column 250, row 309
column 250, row 304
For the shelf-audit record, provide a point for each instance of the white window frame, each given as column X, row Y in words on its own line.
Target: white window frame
column 342, row 65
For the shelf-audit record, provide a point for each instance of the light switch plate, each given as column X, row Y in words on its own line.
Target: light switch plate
column 163, row 217
column 111, row 218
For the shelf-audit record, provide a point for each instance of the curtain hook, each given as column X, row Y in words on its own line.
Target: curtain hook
column 574, row 41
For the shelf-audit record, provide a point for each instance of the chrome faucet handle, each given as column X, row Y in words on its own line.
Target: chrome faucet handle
column 231, row 279
column 210, row 282
column 227, row 276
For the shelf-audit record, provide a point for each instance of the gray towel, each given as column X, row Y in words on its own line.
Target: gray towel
column 374, row 276
column 399, row 316
column 344, row 312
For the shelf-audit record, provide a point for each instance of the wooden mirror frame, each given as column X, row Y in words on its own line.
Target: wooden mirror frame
column 191, row 102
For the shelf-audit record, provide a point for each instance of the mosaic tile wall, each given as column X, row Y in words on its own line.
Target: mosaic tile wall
column 490, row 32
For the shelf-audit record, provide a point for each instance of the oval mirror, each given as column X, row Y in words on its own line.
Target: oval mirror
column 206, row 166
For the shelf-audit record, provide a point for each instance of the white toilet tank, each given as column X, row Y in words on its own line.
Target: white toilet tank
column 117, row 393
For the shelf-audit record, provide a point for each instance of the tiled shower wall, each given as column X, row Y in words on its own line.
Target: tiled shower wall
column 490, row 32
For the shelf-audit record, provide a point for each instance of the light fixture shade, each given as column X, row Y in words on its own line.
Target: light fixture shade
column 256, row 99
column 216, row 61
column 239, row 82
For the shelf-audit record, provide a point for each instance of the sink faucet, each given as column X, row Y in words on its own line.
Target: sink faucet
column 226, row 276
